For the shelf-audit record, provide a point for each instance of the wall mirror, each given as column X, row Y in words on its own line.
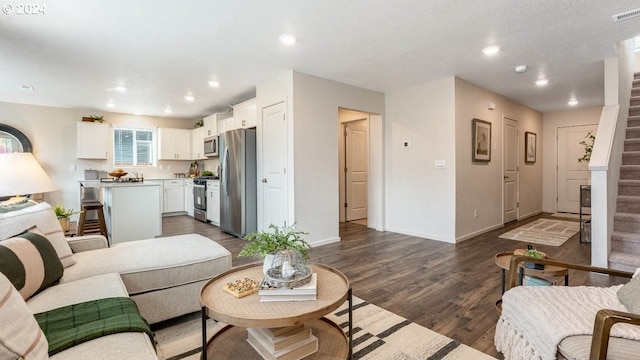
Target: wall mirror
column 13, row 140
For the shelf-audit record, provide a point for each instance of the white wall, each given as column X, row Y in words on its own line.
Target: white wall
column 52, row 132
column 315, row 122
column 551, row 121
column 420, row 198
column 479, row 185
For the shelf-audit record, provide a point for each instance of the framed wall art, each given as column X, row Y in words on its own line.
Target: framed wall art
column 481, row 140
column 529, row 147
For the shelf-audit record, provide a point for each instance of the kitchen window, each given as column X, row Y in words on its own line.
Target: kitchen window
column 133, row 147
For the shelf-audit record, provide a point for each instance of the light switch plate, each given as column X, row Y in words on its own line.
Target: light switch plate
column 440, row 164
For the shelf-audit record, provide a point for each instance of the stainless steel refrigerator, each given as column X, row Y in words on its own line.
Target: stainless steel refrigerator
column 238, row 183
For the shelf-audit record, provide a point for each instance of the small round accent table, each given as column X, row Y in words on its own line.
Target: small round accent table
column 231, row 341
column 503, row 260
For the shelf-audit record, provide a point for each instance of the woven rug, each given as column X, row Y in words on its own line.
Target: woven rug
column 544, row 231
column 377, row 334
column 571, row 216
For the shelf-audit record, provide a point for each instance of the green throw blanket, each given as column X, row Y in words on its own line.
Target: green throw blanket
column 74, row 324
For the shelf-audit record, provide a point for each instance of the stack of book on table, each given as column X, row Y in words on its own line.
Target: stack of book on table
column 287, row 343
column 305, row 292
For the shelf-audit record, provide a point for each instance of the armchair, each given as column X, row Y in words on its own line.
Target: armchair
column 554, row 322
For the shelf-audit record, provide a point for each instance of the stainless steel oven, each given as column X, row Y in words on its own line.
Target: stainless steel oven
column 200, row 199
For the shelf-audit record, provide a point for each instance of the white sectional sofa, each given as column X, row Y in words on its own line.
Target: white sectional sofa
column 163, row 276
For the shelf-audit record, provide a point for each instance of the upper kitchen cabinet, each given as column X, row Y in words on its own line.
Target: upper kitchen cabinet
column 174, row 144
column 211, row 123
column 93, row 140
column 245, row 115
column 226, row 124
column 197, row 143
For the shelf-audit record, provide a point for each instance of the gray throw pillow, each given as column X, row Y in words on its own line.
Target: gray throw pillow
column 629, row 295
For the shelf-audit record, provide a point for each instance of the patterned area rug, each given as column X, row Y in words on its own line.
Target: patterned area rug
column 377, row 334
column 571, row 216
column 544, row 231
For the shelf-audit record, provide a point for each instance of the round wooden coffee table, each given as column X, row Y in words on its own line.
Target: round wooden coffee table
column 248, row 312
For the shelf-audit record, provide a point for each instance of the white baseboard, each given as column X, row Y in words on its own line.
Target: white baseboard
column 479, row 232
column 325, row 241
column 422, row 235
column 522, row 217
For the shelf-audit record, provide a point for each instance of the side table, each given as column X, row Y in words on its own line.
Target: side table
column 230, row 342
column 503, row 260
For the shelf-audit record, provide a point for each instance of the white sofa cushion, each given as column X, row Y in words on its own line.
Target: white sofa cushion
column 42, row 217
column 20, row 335
column 122, row 346
column 87, row 289
column 147, row 265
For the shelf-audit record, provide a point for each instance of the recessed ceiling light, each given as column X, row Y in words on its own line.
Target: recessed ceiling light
column 214, row 83
column 120, row 88
column 521, row 68
column 189, row 98
column 26, row 87
column 491, row 50
column 287, row 39
column 573, row 102
column 167, row 110
column 542, row 82
column 110, row 104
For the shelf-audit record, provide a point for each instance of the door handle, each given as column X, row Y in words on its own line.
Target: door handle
column 506, row 177
column 264, row 180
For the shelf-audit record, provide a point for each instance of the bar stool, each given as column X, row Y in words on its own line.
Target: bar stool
column 92, row 226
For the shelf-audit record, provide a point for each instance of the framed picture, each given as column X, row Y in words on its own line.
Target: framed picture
column 529, row 147
column 481, row 140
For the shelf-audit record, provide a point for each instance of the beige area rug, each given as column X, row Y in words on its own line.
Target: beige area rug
column 571, row 216
column 377, row 334
column 544, row 231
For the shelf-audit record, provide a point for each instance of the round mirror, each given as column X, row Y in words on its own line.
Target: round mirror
column 13, row 140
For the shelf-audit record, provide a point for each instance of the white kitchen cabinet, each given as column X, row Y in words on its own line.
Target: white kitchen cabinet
column 244, row 114
column 197, row 143
column 188, row 196
column 226, row 125
column 132, row 211
column 93, row 140
column 174, row 144
column 211, row 123
column 213, row 202
column 173, row 196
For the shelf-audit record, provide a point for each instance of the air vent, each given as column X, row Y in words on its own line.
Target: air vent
column 26, row 87
column 626, row 15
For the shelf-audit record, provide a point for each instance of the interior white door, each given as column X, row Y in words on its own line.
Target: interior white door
column 571, row 173
column 510, row 166
column 274, row 165
column 357, row 169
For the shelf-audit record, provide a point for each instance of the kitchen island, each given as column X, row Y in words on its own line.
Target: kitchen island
column 131, row 210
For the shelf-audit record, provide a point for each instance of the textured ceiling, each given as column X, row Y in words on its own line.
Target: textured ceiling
column 163, row 49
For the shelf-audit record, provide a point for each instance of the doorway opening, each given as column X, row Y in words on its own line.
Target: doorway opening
column 571, row 173
column 353, row 150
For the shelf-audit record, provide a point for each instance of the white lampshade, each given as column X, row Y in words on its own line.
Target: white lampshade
column 20, row 174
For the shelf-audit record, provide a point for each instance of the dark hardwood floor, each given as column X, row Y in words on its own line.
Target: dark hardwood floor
column 449, row 288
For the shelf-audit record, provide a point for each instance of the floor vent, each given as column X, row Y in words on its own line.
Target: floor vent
column 626, row 15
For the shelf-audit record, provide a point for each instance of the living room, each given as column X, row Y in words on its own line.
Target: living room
column 409, row 195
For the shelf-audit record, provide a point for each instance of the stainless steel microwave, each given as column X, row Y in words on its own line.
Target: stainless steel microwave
column 211, row 146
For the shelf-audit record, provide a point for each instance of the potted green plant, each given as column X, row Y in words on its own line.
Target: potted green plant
column 63, row 215
column 264, row 244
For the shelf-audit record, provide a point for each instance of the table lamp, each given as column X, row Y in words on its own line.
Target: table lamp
column 20, row 174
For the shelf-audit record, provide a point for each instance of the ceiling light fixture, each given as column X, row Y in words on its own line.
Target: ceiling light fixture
column 189, row 98
column 167, row 110
column 542, row 82
column 491, row 50
column 110, row 104
column 26, row 87
column 287, row 39
column 214, row 83
column 521, row 68
column 573, row 102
